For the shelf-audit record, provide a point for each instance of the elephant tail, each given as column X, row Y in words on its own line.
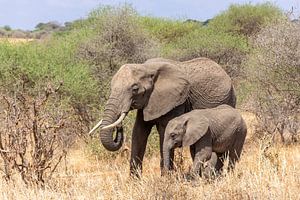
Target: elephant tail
column 232, row 99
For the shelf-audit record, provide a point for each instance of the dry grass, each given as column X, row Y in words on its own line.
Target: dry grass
column 17, row 40
column 264, row 172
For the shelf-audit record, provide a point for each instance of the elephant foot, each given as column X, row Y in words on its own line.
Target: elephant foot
column 207, row 175
column 189, row 177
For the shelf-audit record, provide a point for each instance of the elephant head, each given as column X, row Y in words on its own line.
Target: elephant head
column 155, row 87
column 183, row 131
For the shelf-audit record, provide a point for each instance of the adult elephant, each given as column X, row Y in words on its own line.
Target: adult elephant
column 160, row 90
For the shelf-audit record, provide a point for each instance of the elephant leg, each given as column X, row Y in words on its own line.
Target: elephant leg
column 192, row 152
column 203, row 153
column 220, row 162
column 210, row 166
column 140, row 135
column 234, row 156
column 214, row 165
column 235, row 152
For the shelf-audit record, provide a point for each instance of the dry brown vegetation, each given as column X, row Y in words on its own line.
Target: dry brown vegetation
column 16, row 40
column 273, row 67
column 264, row 172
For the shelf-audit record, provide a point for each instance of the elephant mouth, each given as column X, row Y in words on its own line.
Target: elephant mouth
column 135, row 105
column 177, row 144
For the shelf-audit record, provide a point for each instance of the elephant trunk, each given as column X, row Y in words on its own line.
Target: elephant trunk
column 111, row 115
column 166, row 158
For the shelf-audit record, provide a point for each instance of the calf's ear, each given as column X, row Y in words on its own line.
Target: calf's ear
column 196, row 127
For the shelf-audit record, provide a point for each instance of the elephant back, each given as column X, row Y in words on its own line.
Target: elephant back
column 210, row 84
column 224, row 122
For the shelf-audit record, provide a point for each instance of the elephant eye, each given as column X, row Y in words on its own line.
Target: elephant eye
column 135, row 89
column 173, row 135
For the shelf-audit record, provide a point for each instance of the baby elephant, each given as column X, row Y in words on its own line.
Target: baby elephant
column 210, row 133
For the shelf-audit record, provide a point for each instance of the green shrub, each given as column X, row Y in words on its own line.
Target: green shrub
column 7, row 28
column 118, row 38
column 32, row 65
column 246, row 19
column 225, row 49
column 167, row 30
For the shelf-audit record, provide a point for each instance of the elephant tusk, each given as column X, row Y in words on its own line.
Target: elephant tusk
column 95, row 127
column 116, row 123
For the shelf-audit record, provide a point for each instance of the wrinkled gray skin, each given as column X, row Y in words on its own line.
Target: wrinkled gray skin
column 160, row 90
column 210, row 133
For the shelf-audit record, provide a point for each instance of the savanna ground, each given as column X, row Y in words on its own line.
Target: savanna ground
column 264, row 172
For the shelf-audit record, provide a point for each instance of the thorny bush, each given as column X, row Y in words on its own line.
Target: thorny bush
column 274, row 68
column 35, row 134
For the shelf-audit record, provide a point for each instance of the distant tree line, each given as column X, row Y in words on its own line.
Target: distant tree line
column 42, row 30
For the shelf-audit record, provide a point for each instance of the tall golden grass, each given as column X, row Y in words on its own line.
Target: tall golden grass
column 264, row 172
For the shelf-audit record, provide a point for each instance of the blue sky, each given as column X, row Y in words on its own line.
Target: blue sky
column 25, row 14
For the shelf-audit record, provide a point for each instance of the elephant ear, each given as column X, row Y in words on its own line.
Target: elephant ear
column 196, row 127
column 170, row 89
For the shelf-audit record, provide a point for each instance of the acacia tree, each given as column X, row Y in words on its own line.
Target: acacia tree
column 246, row 19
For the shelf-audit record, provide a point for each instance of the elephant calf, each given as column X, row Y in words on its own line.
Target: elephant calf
column 210, row 133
